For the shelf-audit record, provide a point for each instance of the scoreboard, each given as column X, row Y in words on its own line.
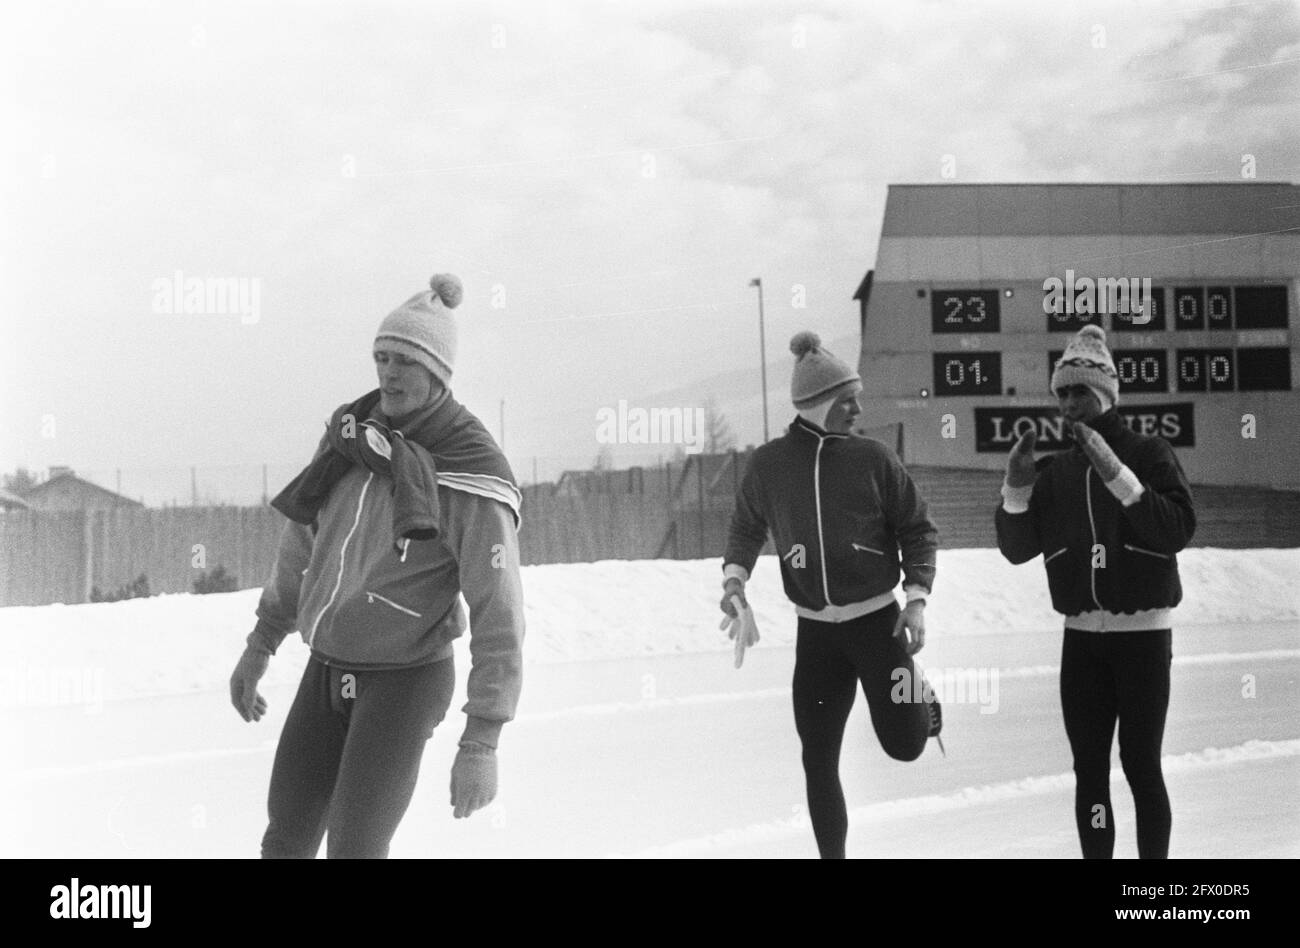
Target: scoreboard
column 1250, row 367
column 960, row 331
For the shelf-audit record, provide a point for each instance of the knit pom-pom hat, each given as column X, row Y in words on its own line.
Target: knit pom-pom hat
column 1087, row 361
column 818, row 375
column 422, row 328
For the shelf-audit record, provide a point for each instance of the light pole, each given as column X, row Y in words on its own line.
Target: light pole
column 762, row 350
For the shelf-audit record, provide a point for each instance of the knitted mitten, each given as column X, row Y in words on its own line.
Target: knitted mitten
column 473, row 778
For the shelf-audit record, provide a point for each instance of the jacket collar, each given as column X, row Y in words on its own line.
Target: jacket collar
column 1108, row 424
column 802, row 423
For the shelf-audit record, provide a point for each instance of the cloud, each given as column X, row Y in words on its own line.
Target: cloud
column 614, row 175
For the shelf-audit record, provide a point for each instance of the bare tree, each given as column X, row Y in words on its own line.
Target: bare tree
column 604, row 459
column 20, row 481
column 717, row 433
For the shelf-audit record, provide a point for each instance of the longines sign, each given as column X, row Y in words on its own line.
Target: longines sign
column 996, row 429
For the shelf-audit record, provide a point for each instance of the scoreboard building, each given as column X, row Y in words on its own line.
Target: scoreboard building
column 977, row 289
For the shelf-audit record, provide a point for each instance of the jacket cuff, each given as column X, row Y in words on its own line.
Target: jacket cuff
column 263, row 638
column 916, row 593
column 482, row 731
column 734, row 570
column 1015, row 500
column 1126, row 487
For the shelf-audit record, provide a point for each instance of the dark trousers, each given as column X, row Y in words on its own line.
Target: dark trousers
column 1105, row 677
column 349, row 756
column 831, row 660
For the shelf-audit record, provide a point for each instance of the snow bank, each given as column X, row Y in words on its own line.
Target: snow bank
column 613, row 609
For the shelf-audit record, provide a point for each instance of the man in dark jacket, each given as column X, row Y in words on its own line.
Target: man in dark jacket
column 1108, row 516
column 839, row 509
column 407, row 504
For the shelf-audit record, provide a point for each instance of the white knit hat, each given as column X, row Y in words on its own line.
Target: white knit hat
column 1087, row 361
column 818, row 375
column 423, row 329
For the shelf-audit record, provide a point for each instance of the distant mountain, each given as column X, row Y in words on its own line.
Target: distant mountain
column 738, row 393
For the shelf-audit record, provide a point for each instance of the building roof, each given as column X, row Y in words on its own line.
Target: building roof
column 1023, row 210
column 65, row 483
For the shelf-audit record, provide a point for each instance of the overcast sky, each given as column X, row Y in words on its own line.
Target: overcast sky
column 605, row 178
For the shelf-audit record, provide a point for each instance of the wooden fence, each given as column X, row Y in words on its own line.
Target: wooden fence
column 60, row 556
column 48, row 557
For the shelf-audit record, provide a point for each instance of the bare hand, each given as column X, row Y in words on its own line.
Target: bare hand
column 910, row 627
column 243, row 684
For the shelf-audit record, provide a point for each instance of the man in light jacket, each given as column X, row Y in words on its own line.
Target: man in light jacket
column 407, row 503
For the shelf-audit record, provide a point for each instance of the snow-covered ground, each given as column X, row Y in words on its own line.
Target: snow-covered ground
column 636, row 736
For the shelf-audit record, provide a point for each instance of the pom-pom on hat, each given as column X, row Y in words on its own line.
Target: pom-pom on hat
column 423, row 329
column 1087, row 361
column 818, row 375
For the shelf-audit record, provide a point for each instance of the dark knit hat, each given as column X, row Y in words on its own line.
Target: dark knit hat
column 818, row 375
column 1087, row 361
column 423, row 329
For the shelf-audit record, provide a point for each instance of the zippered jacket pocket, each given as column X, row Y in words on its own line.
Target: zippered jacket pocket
column 867, row 549
column 1138, row 549
column 372, row 596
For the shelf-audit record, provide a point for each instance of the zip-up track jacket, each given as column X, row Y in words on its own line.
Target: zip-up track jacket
column 843, row 505
column 1072, row 516
column 360, row 602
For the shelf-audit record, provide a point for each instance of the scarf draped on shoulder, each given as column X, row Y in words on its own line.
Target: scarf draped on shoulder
column 442, row 444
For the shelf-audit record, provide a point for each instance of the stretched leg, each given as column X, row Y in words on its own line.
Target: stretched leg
column 306, row 765
column 1089, row 705
column 392, row 717
column 1142, row 675
column 824, row 682
column 887, row 672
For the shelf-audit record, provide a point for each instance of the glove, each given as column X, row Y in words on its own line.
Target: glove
column 1100, row 455
column 734, row 586
column 473, row 778
column 740, row 627
column 243, row 684
column 1020, row 463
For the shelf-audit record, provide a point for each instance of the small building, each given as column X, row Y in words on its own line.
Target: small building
column 633, row 480
column 64, row 490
